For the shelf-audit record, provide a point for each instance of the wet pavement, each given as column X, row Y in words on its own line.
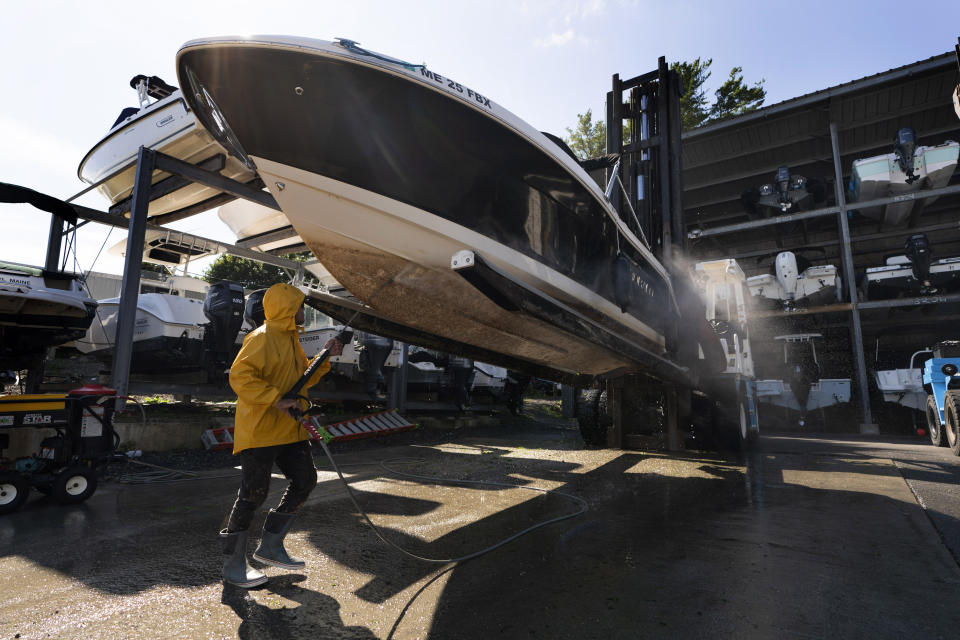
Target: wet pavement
column 839, row 536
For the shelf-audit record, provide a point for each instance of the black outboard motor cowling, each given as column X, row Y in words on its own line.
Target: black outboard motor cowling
column 253, row 311
column 917, row 249
column 904, row 145
column 224, row 309
column 373, row 353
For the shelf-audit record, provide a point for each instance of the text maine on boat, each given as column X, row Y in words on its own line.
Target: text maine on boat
column 388, row 170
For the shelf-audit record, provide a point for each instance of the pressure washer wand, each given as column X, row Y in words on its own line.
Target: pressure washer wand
column 344, row 338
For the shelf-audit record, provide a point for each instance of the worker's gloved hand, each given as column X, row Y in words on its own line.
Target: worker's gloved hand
column 286, row 404
column 334, row 346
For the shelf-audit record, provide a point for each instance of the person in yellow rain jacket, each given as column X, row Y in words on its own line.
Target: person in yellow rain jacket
column 270, row 362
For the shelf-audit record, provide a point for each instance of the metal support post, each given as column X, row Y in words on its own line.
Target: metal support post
column 847, row 255
column 54, row 243
column 130, row 287
column 663, row 164
column 672, row 417
column 672, row 91
column 568, row 401
column 398, row 382
column 615, row 391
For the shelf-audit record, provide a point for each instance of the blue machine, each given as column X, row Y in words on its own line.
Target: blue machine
column 941, row 380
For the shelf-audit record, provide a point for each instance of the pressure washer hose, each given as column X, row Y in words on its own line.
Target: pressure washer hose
column 317, row 432
column 315, row 425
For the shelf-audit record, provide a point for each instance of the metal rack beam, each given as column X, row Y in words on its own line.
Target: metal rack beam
column 819, row 213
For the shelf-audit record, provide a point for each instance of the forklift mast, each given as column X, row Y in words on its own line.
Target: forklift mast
column 643, row 130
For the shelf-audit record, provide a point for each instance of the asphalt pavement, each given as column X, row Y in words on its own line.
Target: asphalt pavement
column 822, row 537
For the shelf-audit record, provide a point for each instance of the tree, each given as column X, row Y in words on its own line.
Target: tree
column 589, row 139
column 155, row 268
column 250, row 274
column 733, row 98
column 693, row 99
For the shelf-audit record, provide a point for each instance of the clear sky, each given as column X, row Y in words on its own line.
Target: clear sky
column 66, row 65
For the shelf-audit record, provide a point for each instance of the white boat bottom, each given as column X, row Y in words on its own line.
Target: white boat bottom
column 410, row 251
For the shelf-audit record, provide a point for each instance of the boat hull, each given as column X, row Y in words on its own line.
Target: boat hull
column 402, row 269
column 815, row 286
column 902, row 386
column 39, row 310
column 898, row 280
column 168, row 334
column 387, row 172
column 167, row 126
column 881, row 177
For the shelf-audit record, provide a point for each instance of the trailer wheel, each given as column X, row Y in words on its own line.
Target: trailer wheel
column 14, row 490
column 74, row 484
column 951, row 414
column 934, row 428
column 592, row 417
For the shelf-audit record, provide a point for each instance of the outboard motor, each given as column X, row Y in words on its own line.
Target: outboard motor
column 804, row 372
column 373, row 352
column 786, row 192
column 461, row 371
column 224, row 309
column 253, row 311
column 783, row 187
column 904, row 146
column 787, row 270
column 917, row 249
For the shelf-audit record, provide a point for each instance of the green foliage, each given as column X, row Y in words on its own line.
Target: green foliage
column 588, row 139
column 693, row 99
column 250, row 274
column 733, row 98
column 155, row 268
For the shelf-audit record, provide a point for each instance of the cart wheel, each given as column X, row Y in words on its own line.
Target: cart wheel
column 74, row 484
column 14, row 490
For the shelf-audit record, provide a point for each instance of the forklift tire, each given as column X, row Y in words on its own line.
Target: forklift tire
column 592, row 417
column 14, row 490
column 951, row 415
column 743, row 424
column 934, row 428
column 74, row 484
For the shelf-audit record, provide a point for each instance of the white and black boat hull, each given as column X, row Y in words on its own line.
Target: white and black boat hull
column 168, row 334
column 387, row 171
column 38, row 310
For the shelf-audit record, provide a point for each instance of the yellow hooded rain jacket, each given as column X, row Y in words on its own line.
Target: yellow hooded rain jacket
column 270, row 362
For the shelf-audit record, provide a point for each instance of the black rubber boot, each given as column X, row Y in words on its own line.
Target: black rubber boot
column 235, row 568
column 271, row 549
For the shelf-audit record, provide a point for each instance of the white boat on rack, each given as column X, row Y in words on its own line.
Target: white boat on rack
column 165, row 123
column 39, row 309
column 173, row 333
column 912, row 273
column 413, row 186
column 904, row 386
column 795, row 281
column 910, row 168
column 802, row 389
